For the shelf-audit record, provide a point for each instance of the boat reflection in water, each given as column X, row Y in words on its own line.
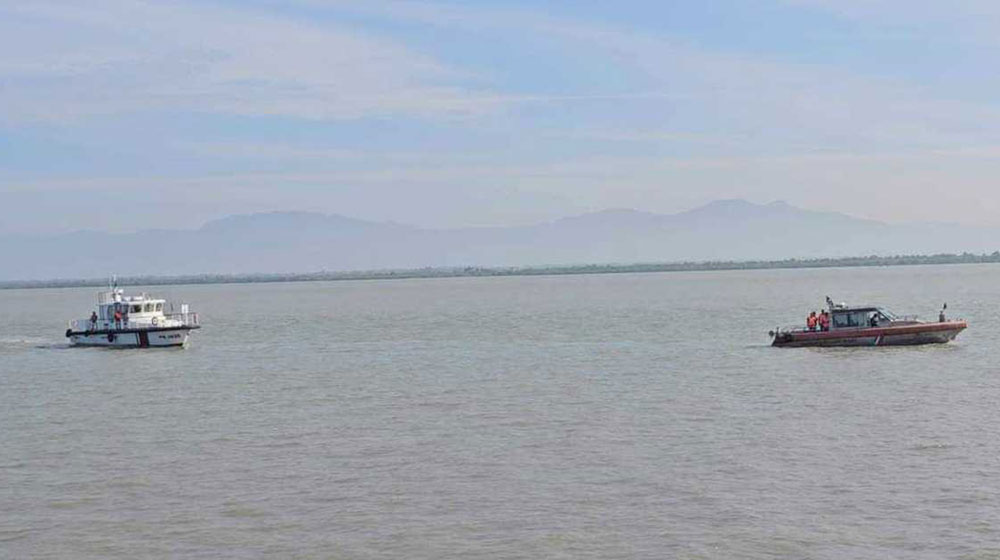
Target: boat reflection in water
column 870, row 326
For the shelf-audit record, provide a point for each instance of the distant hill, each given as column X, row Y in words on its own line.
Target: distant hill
column 295, row 242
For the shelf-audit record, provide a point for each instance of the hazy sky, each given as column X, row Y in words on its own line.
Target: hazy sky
column 121, row 114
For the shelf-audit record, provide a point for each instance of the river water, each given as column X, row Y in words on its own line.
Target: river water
column 605, row 416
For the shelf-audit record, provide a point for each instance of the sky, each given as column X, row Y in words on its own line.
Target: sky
column 120, row 115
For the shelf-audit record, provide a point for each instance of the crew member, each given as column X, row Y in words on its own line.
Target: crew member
column 118, row 319
column 824, row 321
column 811, row 321
column 93, row 320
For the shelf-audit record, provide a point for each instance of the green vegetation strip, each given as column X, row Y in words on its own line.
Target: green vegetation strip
column 460, row 272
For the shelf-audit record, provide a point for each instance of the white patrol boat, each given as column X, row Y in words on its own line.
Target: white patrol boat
column 122, row 321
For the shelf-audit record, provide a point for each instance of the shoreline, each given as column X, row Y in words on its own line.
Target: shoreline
column 474, row 272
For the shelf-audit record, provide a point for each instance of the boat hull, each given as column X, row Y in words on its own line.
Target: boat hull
column 909, row 335
column 132, row 338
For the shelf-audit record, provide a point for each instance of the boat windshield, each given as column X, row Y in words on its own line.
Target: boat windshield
column 888, row 314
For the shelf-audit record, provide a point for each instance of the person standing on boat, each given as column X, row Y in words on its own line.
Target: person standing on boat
column 811, row 321
column 824, row 321
column 118, row 318
column 93, row 320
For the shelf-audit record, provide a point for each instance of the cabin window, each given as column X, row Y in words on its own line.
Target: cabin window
column 853, row 319
column 136, row 309
column 159, row 307
column 149, row 307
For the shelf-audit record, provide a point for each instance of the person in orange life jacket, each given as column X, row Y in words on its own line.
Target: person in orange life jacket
column 811, row 321
column 824, row 321
column 118, row 319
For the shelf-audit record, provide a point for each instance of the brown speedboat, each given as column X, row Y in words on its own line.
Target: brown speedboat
column 870, row 326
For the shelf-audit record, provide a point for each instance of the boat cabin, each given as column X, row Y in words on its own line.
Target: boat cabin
column 135, row 311
column 843, row 317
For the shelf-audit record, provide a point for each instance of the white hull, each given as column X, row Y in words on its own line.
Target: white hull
column 132, row 338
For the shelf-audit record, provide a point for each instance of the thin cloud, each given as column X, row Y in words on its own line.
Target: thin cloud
column 776, row 102
column 115, row 57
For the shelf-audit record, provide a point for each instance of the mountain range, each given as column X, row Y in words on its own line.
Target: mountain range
column 290, row 242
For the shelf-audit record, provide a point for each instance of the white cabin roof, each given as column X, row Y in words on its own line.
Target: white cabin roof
column 118, row 296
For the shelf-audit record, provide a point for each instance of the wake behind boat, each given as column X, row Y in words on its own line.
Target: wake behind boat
column 843, row 325
column 132, row 322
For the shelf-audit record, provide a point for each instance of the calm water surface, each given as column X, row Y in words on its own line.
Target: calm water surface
column 617, row 416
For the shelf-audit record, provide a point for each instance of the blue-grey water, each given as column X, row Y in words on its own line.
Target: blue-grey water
column 609, row 416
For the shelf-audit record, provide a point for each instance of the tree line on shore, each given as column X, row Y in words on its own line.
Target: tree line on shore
column 457, row 272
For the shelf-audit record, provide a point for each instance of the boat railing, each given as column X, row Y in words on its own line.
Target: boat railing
column 803, row 328
column 189, row 319
column 86, row 325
